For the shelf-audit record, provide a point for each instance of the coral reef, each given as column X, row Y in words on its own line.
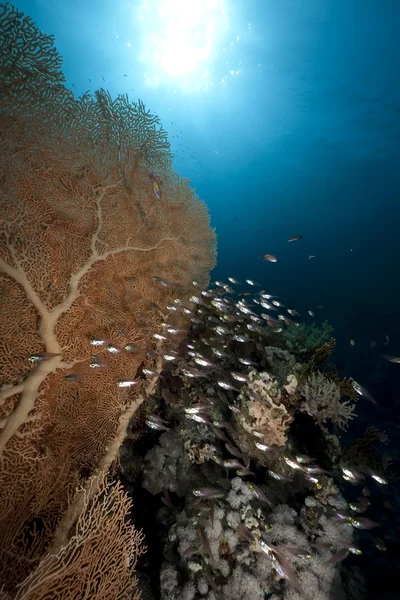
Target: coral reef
column 90, row 258
column 263, row 411
column 256, row 507
column 232, row 552
column 322, row 401
column 101, row 525
column 306, row 339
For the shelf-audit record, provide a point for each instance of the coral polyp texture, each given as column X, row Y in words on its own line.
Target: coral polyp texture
column 86, row 237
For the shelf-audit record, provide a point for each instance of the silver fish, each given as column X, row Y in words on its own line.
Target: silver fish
column 227, row 386
column 392, row 359
column 159, row 336
column 150, row 372
column 233, row 450
column 241, row 338
column 98, row 342
column 363, row 523
column 208, row 493
column 259, row 494
column 239, row 376
column 127, row 382
column 251, row 282
column 198, row 418
column 42, row 356
column 113, row 349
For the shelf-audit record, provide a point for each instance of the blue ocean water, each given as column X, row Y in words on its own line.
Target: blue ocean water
column 285, row 117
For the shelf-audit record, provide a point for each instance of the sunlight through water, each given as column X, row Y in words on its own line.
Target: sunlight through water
column 180, row 41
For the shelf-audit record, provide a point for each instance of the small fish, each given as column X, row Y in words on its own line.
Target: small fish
column 166, row 499
column 363, row 523
column 392, row 359
column 170, row 356
column 244, row 472
column 204, row 362
column 174, row 331
column 242, row 338
column 219, row 352
column 293, row 464
column 239, row 376
column 99, row 342
column 358, row 507
column 196, row 300
column 310, row 256
column 352, row 475
column 132, row 348
column 161, row 282
column 232, row 463
column 278, row 477
column 150, row 372
column 294, row 238
column 311, row 313
column 246, row 361
column 380, row 545
column 262, row 447
column 208, row 493
column 304, row 459
column 269, row 258
column 113, row 349
column 259, row 494
column 315, row 469
column 362, row 391
column 197, row 408
column 156, row 189
column 352, row 342
column 192, row 372
column 233, row 450
column 281, row 565
column 228, row 289
column 127, row 382
column 74, row 376
column 379, row 479
column 42, row 356
column 198, row 418
column 227, row 386
column 234, row 281
column 156, row 422
column 204, row 542
column 159, row 336
column 220, row 434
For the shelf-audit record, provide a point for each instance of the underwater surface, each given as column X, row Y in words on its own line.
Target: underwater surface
column 262, row 459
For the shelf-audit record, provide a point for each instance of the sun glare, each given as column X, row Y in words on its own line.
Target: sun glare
column 180, row 39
